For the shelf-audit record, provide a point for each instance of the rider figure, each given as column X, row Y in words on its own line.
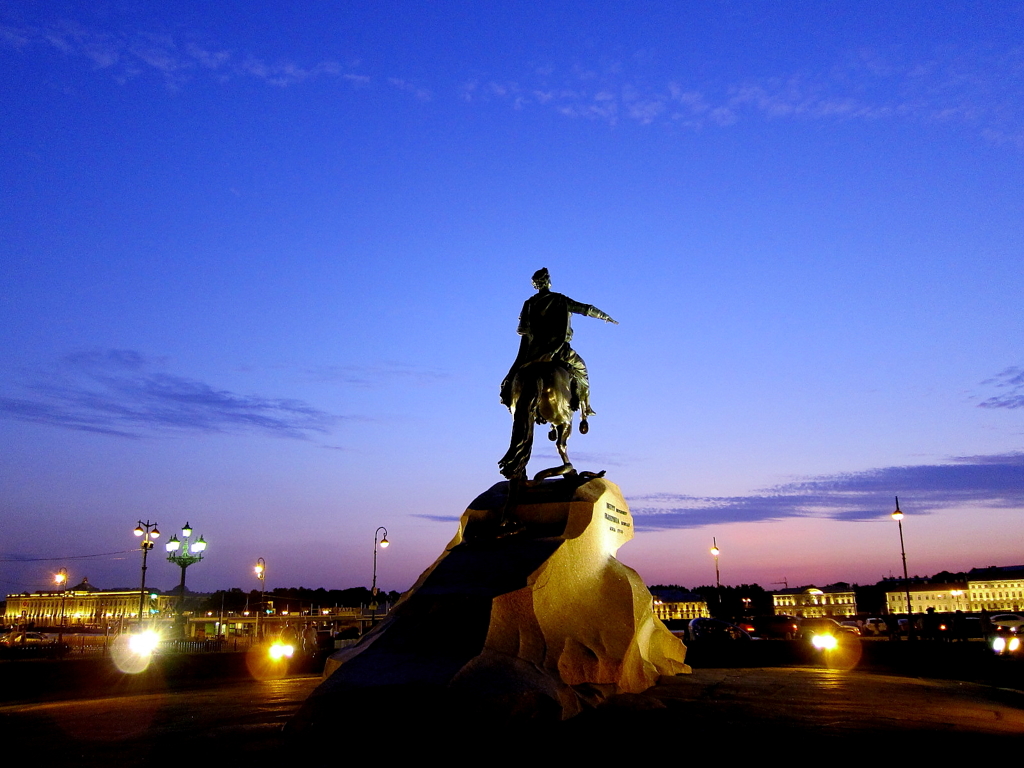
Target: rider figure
column 546, row 329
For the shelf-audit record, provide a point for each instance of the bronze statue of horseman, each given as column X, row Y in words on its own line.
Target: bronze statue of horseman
column 548, row 381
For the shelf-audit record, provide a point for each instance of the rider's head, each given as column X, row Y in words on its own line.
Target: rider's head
column 541, row 279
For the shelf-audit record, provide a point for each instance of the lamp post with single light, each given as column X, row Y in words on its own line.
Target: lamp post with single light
column 147, row 531
column 183, row 554
column 898, row 517
column 373, row 588
column 60, row 578
column 715, row 552
column 956, row 594
column 261, row 574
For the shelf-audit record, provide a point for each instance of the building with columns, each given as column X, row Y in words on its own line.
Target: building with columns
column 834, row 601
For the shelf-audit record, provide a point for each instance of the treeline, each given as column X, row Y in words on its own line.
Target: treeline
column 294, row 599
column 742, row 600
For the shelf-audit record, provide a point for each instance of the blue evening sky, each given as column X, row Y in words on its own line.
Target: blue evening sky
column 261, row 267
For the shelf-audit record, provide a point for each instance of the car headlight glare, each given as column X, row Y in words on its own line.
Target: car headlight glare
column 824, row 642
column 280, row 651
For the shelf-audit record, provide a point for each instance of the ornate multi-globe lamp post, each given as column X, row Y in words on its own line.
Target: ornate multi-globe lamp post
column 183, row 554
column 148, row 531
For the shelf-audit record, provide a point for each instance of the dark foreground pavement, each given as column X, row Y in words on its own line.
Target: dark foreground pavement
column 733, row 711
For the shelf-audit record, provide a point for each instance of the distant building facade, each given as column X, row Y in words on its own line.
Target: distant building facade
column 84, row 606
column 996, row 589
column 833, row 601
column 944, row 598
column 675, row 604
column 992, row 589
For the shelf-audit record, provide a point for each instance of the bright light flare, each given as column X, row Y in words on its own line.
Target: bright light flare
column 133, row 653
column 999, row 644
column 824, row 642
column 1014, row 644
column 144, row 643
column 280, row 651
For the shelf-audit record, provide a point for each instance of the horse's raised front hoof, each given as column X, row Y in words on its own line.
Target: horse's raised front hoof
column 552, row 435
column 584, row 427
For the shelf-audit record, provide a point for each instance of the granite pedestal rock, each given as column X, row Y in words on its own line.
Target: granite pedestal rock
column 541, row 624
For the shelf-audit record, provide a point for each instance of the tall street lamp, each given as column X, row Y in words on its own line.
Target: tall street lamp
column 898, row 517
column 715, row 551
column 184, row 553
column 956, row 594
column 60, row 578
column 147, row 531
column 261, row 574
column 373, row 588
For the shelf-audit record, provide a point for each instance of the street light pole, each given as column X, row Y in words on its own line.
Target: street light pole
column 373, row 588
column 61, row 579
column 898, row 517
column 261, row 574
column 185, row 559
column 715, row 551
column 148, row 531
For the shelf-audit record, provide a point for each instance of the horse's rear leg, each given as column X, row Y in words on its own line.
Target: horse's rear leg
column 564, row 430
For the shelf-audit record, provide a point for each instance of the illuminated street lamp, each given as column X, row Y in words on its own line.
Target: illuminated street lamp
column 183, row 554
column 60, row 578
column 373, row 588
column 261, row 574
column 957, row 594
column 715, row 551
column 147, row 531
column 898, row 517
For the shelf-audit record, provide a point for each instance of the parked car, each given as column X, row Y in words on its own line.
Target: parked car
column 1006, row 642
column 875, row 627
column 24, row 638
column 714, row 631
column 776, row 627
column 1009, row 620
column 851, row 626
column 811, row 627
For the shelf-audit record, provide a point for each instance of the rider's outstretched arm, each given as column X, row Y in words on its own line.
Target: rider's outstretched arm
column 595, row 312
column 591, row 311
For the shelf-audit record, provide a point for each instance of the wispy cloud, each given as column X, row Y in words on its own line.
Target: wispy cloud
column 977, row 88
column 582, row 460
column 421, row 93
column 1010, row 384
column 125, row 393
column 129, row 55
column 990, row 481
column 439, row 518
column 373, row 376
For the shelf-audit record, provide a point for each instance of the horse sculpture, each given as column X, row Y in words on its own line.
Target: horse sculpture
column 542, row 393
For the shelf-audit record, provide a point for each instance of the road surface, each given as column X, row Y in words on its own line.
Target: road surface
column 729, row 709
